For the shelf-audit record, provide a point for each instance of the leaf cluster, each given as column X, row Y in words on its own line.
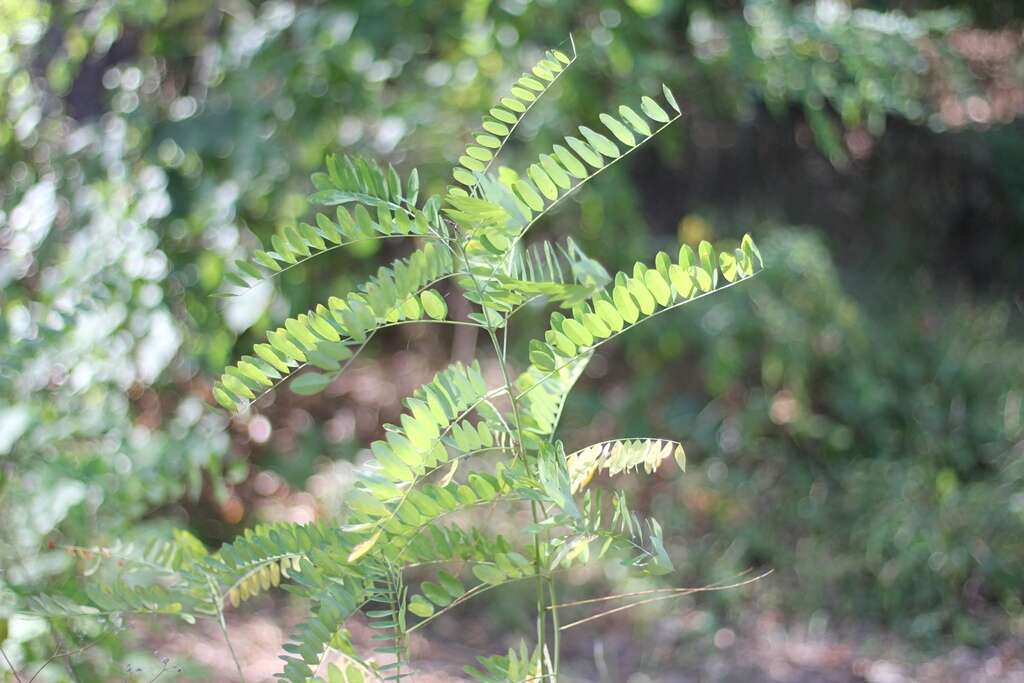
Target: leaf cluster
column 462, row 442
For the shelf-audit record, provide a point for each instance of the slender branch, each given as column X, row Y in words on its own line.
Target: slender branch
column 165, row 666
column 627, row 328
column 537, row 99
column 541, row 615
column 258, row 567
column 270, row 277
column 499, row 352
column 393, row 593
column 409, row 210
column 10, row 665
column 224, row 627
column 412, row 485
column 556, row 631
column 67, row 653
column 652, row 591
column 466, row 323
column 396, row 307
column 468, row 595
column 678, row 593
column 547, row 209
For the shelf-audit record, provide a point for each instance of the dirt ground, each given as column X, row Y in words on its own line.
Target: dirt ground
column 761, row 649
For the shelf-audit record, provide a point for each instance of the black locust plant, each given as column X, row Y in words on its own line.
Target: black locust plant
column 407, row 549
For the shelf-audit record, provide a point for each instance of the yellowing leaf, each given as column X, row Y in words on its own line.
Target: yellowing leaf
column 363, row 548
column 447, row 478
column 680, row 456
column 419, row 606
column 434, row 304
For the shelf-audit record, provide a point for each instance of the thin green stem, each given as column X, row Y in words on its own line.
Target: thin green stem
column 409, row 210
column 547, row 209
column 504, row 341
column 10, row 666
column 557, row 646
column 215, row 594
column 270, row 277
column 292, row 371
column 500, row 354
column 522, row 116
column 68, row 654
column 465, row 597
column 399, row 640
column 541, row 605
column 625, row 329
column 678, row 594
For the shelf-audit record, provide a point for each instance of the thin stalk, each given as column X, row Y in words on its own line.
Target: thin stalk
column 293, row 371
column 627, row 328
column 727, row 583
column 508, row 386
column 465, row 597
column 398, row 640
column 408, row 209
column 500, row 353
column 584, row 181
column 214, row 593
column 277, row 273
column 62, row 653
column 522, row 116
column 541, row 605
column 556, row 631
column 677, row 594
column 10, row 666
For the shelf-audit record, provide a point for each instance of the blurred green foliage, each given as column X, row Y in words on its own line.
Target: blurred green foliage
column 863, row 425
column 870, row 453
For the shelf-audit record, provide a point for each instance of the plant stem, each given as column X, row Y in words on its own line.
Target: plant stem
column 500, row 352
column 537, row 560
column 556, row 631
column 11, row 666
column 215, row 594
column 398, row 640
column 541, row 606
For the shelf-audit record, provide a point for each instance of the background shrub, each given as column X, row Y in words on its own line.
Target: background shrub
column 865, row 423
